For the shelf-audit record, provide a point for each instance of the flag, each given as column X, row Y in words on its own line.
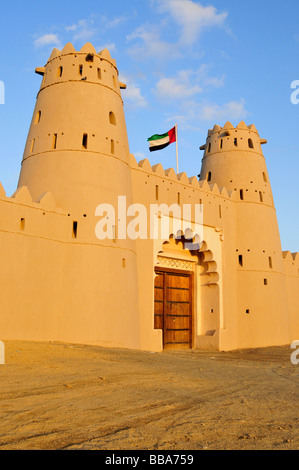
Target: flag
column 160, row 141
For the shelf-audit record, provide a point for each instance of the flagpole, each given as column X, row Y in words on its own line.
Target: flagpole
column 177, row 149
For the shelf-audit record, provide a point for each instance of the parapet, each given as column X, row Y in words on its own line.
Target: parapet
column 291, row 263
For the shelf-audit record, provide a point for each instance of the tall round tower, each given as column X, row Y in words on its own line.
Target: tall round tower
column 77, row 145
column 234, row 159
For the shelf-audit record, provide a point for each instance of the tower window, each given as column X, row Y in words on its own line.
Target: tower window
column 157, row 192
column 99, row 74
column 209, row 148
column 22, row 224
column 261, row 197
column 32, row 145
column 81, row 70
column 209, row 177
column 221, row 143
column 75, row 229
column 112, row 118
column 250, row 144
column 265, row 177
column 112, row 147
column 38, row 117
column 179, row 198
column 89, row 58
column 236, row 142
column 54, row 143
column 240, row 260
column 270, row 263
column 59, row 71
column 84, row 141
column 241, row 194
column 265, row 282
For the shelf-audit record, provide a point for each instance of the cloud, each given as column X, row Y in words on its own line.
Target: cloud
column 230, row 111
column 187, row 83
column 84, row 30
column 133, row 93
column 192, row 18
column 47, row 40
column 150, row 44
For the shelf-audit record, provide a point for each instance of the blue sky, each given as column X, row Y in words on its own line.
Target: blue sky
column 184, row 61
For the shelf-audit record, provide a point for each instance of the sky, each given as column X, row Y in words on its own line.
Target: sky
column 189, row 62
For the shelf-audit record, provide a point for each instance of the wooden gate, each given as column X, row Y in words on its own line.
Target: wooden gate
column 174, row 307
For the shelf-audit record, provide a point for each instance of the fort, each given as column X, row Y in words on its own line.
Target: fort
column 61, row 283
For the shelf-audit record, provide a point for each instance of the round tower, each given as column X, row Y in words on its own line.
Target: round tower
column 77, row 146
column 233, row 159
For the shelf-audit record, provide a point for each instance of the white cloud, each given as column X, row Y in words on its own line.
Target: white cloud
column 83, row 31
column 230, row 111
column 192, row 17
column 133, row 94
column 47, row 40
column 151, row 43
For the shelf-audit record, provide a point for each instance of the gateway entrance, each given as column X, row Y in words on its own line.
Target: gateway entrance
column 174, row 307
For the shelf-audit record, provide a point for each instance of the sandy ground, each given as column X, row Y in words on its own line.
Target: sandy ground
column 57, row 396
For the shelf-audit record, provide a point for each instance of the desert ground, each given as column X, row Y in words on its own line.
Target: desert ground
column 58, row 396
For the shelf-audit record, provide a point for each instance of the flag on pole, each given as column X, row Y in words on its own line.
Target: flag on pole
column 161, row 141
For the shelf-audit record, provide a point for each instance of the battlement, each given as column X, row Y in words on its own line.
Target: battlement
column 291, row 263
column 85, row 65
column 228, row 138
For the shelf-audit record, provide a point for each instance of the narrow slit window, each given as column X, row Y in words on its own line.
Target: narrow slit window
column 248, row 311
column 270, row 262
column 241, row 194
column 236, row 142
column 112, row 118
column 99, row 74
column 265, row 177
column 209, row 177
column 85, row 141
column 32, row 146
column 240, row 260
column 265, row 282
column 59, row 72
column 54, row 143
column 112, row 147
column 261, row 197
column 81, row 70
column 220, row 212
column 22, row 224
column 221, row 143
column 38, row 117
column 157, row 192
column 75, row 229
column 209, row 148
column 179, row 198
column 250, row 144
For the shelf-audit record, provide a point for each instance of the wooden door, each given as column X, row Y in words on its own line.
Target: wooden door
column 174, row 308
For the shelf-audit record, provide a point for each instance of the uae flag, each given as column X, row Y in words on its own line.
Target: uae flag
column 160, row 141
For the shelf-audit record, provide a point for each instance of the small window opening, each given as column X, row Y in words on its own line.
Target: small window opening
column 220, row 212
column 22, row 224
column 209, row 177
column 212, row 310
column 37, row 117
column 265, row 177
column 112, row 118
column 32, row 146
column 75, row 229
column 59, row 71
column 270, row 262
column 54, row 143
column 179, row 198
column 250, row 144
column 85, row 141
column 99, row 74
column 114, row 81
column 261, row 197
column 157, row 192
column 124, row 261
column 221, row 143
column 241, row 260
column 81, row 70
column 265, row 282
column 236, row 142
column 248, row 311
column 209, row 148
column 89, row 58
column 112, row 147
column 241, row 194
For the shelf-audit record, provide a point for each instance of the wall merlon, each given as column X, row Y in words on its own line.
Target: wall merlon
column 23, row 195
column 46, row 200
column 2, row 191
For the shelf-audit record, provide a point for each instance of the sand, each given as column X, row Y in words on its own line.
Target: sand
column 57, row 396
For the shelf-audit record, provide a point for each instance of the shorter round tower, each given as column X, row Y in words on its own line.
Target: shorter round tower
column 233, row 159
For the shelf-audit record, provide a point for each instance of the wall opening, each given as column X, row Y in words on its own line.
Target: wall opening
column 85, row 141
column 221, row 143
column 75, row 229
column 220, row 212
column 240, row 258
column 265, row 177
column 22, row 224
column 261, row 197
column 236, row 142
column 112, row 147
column 209, row 176
column 241, row 194
column 250, row 144
column 209, row 147
column 270, row 262
column 248, row 311
column 265, row 282
column 59, row 71
column 157, row 192
column 99, row 74
column 38, row 117
column 54, row 142
column 32, row 146
column 81, row 70
column 179, row 198
column 112, row 118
